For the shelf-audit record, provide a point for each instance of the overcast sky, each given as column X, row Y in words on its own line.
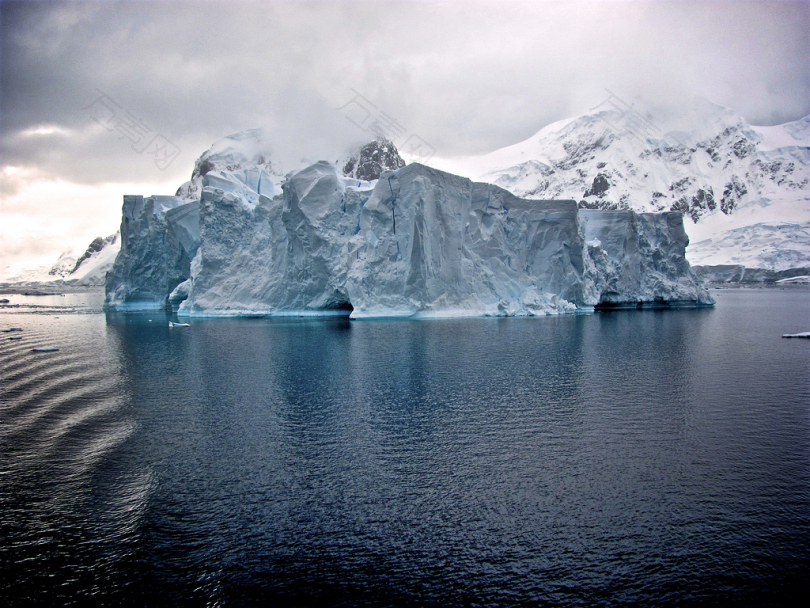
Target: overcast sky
column 465, row 77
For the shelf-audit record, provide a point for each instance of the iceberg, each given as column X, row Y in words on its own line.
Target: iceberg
column 387, row 241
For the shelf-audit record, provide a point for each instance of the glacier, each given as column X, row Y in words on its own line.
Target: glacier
column 371, row 237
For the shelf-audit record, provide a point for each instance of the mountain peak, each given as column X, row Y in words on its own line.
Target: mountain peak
column 372, row 159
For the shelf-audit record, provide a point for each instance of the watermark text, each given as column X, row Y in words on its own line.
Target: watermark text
column 112, row 116
column 366, row 116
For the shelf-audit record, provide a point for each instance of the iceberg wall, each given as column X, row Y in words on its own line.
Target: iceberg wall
column 281, row 255
column 639, row 259
column 415, row 242
column 159, row 238
column 433, row 243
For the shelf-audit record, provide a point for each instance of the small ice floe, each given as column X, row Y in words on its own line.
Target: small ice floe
column 45, row 349
column 173, row 324
column 804, row 334
column 805, row 278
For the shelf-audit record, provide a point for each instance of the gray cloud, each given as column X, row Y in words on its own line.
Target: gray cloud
column 467, row 77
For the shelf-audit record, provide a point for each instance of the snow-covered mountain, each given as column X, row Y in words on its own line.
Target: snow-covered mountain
column 92, row 266
column 88, row 267
column 737, row 184
column 774, row 246
column 64, row 265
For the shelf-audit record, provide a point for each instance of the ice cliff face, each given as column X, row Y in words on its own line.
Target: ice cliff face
column 433, row 243
column 159, row 237
column 285, row 255
column 636, row 256
column 415, row 242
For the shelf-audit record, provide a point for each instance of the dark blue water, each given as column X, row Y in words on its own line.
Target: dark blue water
column 650, row 458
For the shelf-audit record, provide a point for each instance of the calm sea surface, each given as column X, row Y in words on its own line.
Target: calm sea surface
column 651, row 458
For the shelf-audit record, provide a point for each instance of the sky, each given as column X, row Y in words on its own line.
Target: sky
column 105, row 98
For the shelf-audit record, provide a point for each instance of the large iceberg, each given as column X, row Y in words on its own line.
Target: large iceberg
column 282, row 255
column 413, row 241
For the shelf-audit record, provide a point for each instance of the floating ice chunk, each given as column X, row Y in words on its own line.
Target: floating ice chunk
column 804, row 334
column 799, row 279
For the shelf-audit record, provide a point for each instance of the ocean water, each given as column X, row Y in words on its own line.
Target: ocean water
column 625, row 458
